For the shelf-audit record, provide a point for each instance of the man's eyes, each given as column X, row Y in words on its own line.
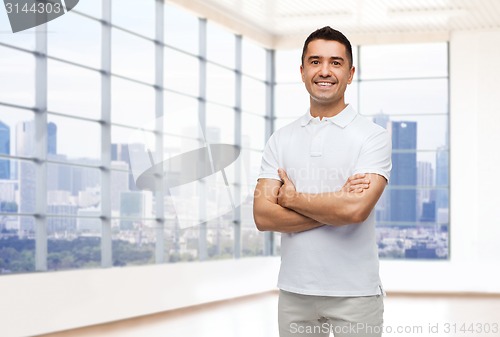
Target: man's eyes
column 335, row 63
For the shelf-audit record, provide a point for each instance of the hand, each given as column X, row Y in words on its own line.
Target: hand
column 356, row 183
column 287, row 191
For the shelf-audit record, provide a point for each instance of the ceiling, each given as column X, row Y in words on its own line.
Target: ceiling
column 286, row 23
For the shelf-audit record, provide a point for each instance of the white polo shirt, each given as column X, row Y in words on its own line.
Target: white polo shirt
column 319, row 156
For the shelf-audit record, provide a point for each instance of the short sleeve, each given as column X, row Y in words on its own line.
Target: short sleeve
column 375, row 155
column 270, row 163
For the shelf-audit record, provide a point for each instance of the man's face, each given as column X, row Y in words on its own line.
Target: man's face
column 326, row 72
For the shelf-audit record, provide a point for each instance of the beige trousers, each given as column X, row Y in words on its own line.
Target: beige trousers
column 319, row 316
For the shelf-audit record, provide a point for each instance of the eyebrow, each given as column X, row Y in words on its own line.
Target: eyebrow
column 316, row 57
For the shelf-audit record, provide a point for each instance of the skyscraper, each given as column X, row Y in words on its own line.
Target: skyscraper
column 404, row 172
column 442, row 178
column 4, row 149
column 25, row 146
column 425, row 180
column 51, row 138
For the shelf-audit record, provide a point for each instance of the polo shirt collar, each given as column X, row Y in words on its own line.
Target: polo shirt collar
column 342, row 119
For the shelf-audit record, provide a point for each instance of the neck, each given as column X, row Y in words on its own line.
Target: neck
column 320, row 110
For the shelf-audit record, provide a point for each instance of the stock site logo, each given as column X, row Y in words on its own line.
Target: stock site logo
column 25, row 14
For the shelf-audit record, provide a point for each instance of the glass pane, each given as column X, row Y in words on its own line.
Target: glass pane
column 23, row 39
column 288, row 65
column 252, row 241
column 72, row 188
column 135, row 205
column 73, row 243
column 180, row 115
column 66, row 136
column 255, row 158
column 17, row 251
column 133, row 242
column 404, row 60
column 422, row 210
column 404, row 97
column 291, row 100
column 136, row 147
column 132, row 103
column 433, row 168
column 17, row 186
column 253, row 131
column 277, row 243
column 75, row 38
column 181, row 29
column 253, row 96
column 181, row 72
column 423, row 132
column 181, row 245
column 90, row 7
column 120, row 181
column 17, row 84
column 351, row 95
column 135, row 16
column 220, row 45
column 132, row 56
column 73, row 90
column 400, row 243
column 254, row 59
column 220, row 124
column 425, row 236
column 220, row 237
column 26, row 181
column 220, row 85
column 17, row 132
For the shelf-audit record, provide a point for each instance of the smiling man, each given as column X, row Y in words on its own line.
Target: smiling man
column 320, row 179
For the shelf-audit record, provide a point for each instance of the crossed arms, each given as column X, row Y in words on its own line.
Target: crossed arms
column 279, row 207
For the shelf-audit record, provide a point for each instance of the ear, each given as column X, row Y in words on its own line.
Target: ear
column 302, row 75
column 351, row 74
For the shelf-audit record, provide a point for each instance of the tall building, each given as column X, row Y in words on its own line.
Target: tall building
column 425, row 180
column 442, row 178
column 121, row 152
column 51, row 138
column 119, row 183
column 134, row 204
column 25, row 146
column 403, row 207
column 4, row 149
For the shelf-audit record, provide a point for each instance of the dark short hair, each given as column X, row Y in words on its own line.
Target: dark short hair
column 330, row 34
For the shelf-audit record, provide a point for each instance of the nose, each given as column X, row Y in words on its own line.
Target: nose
column 325, row 69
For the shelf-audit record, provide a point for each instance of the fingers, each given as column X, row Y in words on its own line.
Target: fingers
column 357, row 183
column 282, row 174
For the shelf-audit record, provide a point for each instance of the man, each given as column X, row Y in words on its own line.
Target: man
column 329, row 278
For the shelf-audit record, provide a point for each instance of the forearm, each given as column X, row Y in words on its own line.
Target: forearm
column 275, row 218
column 334, row 208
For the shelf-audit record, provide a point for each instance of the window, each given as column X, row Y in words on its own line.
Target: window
column 108, row 122
column 403, row 88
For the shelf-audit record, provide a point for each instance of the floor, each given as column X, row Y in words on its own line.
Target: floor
column 405, row 315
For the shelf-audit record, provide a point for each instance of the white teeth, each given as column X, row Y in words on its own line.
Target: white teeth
column 325, row 84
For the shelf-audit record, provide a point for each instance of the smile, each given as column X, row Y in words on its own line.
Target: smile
column 324, row 84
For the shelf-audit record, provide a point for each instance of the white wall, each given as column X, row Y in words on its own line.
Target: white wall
column 39, row 303
column 32, row 304
column 474, row 159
